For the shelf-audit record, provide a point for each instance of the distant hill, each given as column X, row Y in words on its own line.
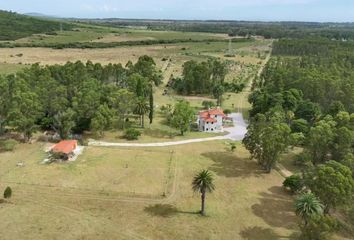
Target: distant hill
column 40, row 15
column 14, row 26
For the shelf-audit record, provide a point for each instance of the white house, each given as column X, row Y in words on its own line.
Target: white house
column 211, row 120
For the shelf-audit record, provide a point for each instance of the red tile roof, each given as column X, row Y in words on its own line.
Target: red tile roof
column 66, row 147
column 215, row 111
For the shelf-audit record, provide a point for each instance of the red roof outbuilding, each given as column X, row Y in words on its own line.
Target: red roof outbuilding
column 66, row 146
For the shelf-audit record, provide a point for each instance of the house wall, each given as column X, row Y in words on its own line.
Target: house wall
column 207, row 127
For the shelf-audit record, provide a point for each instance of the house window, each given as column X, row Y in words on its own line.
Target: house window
column 212, row 129
column 207, row 129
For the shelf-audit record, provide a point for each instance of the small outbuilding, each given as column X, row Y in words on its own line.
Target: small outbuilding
column 64, row 149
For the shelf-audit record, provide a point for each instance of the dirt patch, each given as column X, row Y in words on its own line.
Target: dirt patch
column 60, row 56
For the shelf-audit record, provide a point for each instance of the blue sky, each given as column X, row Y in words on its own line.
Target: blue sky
column 268, row 10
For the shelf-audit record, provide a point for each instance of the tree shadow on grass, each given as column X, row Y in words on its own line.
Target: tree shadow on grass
column 229, row 165
column 276, row 209
column 165, row 210
column 260, row 233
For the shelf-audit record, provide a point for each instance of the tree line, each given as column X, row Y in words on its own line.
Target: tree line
column 305, row 98
column 77, row 97
column 275, row 30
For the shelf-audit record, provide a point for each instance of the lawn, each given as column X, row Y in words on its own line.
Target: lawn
column 71, row 202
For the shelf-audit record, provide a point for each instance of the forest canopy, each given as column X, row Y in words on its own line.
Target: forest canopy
column 76, row 97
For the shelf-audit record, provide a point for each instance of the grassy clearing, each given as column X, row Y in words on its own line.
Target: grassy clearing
column 247, row 204
column 6, row 68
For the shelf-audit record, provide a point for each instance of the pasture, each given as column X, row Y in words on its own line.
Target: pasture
column 88, row 199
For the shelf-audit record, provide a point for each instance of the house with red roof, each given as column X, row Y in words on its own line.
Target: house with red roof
column 65, row 149
column 211, row 120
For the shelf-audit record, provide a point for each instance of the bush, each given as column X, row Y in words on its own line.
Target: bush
column 300, row 126
column 227, row 111
column 297, row 139
column 7, row 193
column 8, row 145
column 132, row 134
column 208, row 104
column 294, row 183
column 303, row 160
column 319, row 227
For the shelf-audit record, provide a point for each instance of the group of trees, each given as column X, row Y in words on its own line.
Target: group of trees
column 307, row 100
column 323, row 188
column 76, row 97
column 205, row 78
column 180, row 116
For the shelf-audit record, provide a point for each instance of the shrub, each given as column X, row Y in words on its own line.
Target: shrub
column 194, row 127
column 227, row 111
column 297, row 139
column 294, row 183
column 233, row 147
column 8, row 145
column 208, row 104
column 303, row 160
column 7, row 193
column 319, row 227
column 132, row 134
column 300, row 126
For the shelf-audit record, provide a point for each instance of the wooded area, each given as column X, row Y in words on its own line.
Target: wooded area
column 305, row 98
column 76, row 97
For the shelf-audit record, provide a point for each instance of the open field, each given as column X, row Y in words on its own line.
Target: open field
column 88, row 33
column 247, row 203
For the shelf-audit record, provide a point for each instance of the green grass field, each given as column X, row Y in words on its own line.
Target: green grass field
column 88, row 199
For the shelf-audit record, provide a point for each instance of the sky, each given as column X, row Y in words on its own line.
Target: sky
column 257, row 10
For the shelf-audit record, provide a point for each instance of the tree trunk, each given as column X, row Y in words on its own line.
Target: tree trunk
column 142, row 121
column 202, row 211
column 326, row 209
column 123, row 123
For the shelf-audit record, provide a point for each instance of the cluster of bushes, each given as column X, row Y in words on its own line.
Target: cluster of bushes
column 8, row 145
column 132, row 134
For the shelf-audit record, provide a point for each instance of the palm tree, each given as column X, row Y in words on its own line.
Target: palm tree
column 141, row 108
column 308, row 205
column 203, row 182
